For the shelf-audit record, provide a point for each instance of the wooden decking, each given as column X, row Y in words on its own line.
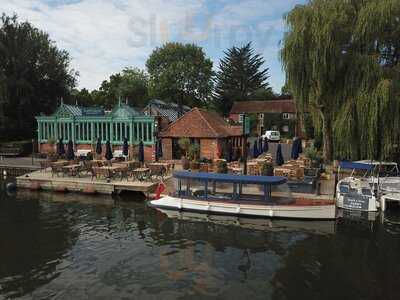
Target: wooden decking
column 42, row 180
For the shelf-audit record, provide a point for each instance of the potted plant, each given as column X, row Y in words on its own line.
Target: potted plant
column 185, row 163
column 222, row 167
column 194, row 151
column 315, row 157
column 184, row 144
column 267, row 169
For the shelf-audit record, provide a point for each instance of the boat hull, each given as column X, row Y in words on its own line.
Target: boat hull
column 292, row 211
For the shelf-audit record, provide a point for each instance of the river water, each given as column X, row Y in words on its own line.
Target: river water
column 68, row 246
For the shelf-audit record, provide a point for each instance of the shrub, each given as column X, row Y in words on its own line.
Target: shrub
column 184, row 143
column 267, row 169
column 194, row 151
column 222, row 167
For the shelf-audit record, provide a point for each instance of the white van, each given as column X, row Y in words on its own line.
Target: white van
column 272, row 136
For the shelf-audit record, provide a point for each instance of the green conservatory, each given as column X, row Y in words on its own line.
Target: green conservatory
column 84, row 125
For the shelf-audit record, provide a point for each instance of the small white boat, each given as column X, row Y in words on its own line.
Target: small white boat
column 370, row 191
column 240, row 195
column 356, row 194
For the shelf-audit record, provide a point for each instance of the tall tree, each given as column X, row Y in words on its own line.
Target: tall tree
column 34, row 74
column 241, row 77
column 180, row 73
column 131, row 84
column 342, row 62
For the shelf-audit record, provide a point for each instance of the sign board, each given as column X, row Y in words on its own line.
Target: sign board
column 356, row 202
column 246, row 125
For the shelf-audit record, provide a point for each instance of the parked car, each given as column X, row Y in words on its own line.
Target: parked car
column 272, row 136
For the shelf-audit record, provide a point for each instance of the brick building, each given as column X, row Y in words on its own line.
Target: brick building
column 206, row 128
column 279, row 115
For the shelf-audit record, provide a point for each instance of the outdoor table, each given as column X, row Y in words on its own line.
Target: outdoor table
column 120, row 168
column 111, row 170
column 141, row 173
column 167, row 166
column 72, row 170
column 60, row 163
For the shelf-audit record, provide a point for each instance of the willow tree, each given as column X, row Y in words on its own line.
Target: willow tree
column 342, row 62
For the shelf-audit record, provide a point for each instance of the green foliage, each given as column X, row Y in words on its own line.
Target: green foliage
column 180, row 73
column 184, row 144
column 131, row 84
column 240, row 78
column 222, row 167
column 194, row 151
column 34, row 75
column 313, row 154
column 342, row 62
column 267, row 169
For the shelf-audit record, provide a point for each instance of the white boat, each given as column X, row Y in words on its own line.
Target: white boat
column 356, row 193
column 370, row 191
column 240, row 195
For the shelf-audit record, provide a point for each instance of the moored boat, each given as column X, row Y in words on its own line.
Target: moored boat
column 240, row 195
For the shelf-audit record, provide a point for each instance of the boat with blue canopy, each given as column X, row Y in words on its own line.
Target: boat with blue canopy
column 240, row 195
column 357, row 191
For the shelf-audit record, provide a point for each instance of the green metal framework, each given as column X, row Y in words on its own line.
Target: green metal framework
column 70, row 123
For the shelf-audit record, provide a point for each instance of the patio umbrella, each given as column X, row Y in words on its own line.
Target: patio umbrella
column 260, row 145
column 125, row 147
column 230, row 151
column 60, row 147
column 255, row 149
column 300, row 146
column 279, row 157
column 141, row 152
column 266, row 148
column 159, row 149
column 295, row 149
column 109, row 154
column 98, row 146
column 70, row 151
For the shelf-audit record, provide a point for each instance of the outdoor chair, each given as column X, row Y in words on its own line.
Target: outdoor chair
column 56, row 170
column 44, row 165
column 157, row 171
column 97, row 172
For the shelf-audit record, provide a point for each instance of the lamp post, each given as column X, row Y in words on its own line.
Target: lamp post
column 33, row 149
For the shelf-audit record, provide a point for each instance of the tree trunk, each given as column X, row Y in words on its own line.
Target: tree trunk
column 327, row 137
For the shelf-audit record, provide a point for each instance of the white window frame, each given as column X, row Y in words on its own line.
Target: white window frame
column 286, row 116
column 241, row 118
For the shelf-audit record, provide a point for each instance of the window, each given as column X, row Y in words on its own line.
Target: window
column 285, row 128
column 241, row 118
column 261, row 117
column 286, row 116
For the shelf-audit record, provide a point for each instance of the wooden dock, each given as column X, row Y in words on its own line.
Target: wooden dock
column 43, row 180
column 13, row 170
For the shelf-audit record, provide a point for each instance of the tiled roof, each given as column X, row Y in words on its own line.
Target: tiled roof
column 199, row 123
column 270, row 106
column 157, row 107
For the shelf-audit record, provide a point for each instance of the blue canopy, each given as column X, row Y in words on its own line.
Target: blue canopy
column 246, row 179
column 355, row 166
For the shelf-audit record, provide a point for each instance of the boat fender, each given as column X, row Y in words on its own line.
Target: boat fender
column 11, row 186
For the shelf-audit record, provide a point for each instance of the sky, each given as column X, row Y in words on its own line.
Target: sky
column 105, row 36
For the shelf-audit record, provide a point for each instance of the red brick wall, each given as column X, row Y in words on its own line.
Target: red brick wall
column 149, row 151
column 167, row 148
column 209, row 148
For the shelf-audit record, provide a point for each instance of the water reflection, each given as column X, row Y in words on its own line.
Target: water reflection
column 71, row 246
